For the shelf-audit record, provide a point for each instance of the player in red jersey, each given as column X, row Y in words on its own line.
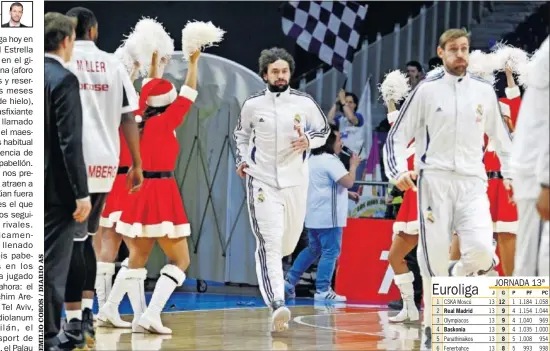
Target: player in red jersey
column 156, row 212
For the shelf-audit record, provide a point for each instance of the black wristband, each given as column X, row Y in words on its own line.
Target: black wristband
column 547, row 186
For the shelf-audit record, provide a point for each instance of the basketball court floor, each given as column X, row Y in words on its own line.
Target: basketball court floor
column 230, row 322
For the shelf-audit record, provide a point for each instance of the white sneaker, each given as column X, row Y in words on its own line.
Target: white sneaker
column 329, row 295
column 279, row 319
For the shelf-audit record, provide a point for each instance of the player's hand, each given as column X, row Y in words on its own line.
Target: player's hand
column 83, row 208
column 354, row 160
column 543, row 204
column 241, row 171
column 134, row 179
column 353, row 196
column 406, row 181
column 302, row 143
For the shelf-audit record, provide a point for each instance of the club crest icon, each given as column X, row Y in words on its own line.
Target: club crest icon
column 429, row 215
column 261, row 196
column 479, row 109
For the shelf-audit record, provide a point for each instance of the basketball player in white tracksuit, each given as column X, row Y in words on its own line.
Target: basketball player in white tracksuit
column 530, row 153
column 447, row 115
column 277, row 127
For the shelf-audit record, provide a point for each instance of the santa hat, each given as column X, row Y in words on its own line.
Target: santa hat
column 504, row 109
column 156, row 92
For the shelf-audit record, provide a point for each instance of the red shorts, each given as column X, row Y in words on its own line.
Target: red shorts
column 503, row 211
column 407, row 218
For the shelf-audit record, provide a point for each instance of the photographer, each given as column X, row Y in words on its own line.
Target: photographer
column 326, row 215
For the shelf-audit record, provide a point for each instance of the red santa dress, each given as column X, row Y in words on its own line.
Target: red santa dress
column 407, row 217
column 503, row 209
column 156, row 210
column 119, row 193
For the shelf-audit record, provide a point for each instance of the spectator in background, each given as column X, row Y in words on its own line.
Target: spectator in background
column 343, row 114
column 326, row 216
column 415, row 72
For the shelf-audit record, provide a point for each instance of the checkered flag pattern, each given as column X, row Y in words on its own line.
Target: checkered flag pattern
column 328, row 29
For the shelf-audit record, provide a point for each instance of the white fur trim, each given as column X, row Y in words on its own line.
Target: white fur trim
column 505, row 227
column 138, row 230
column 106, row 268
column 138, row 118
column 145, row 81
column 392, row 116
column 162, row 100
column 512, row 93
column 136, row 273
column 404, row 278
column 188, row 93
column 505, row 109
column 410, row 228
column 109, row 222
column 174, row 272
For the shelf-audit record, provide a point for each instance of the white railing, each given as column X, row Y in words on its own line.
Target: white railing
column 417, row 40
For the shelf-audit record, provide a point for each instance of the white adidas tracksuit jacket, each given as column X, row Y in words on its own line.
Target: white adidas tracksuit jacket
column 448, row 117
column 277, row 180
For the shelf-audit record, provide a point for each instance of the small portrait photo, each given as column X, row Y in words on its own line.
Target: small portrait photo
column 17, row 14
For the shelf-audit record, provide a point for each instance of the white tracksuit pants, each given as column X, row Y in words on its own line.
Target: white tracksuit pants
column 532, row 243
column 449, row 203
column 277, row 219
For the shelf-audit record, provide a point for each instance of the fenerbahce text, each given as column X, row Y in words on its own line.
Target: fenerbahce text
column 92, row 67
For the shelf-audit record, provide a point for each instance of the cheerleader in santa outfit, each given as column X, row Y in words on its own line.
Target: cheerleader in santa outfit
column 503, row 209
column 156, row 212
column 110, row 239
column 405, row 228
column 405, row 238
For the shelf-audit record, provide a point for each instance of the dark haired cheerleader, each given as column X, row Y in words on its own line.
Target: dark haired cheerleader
column 156, row 212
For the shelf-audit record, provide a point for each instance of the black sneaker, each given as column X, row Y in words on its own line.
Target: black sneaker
column 71, row 337
column 88, row 327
